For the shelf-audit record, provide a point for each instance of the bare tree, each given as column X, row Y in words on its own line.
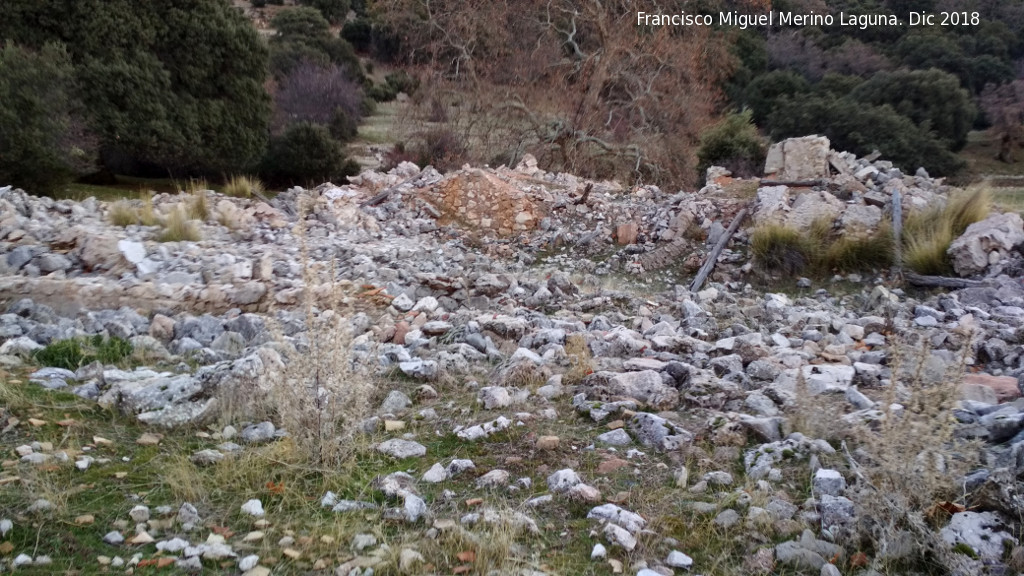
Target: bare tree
column 576, row 83
column 315, row 93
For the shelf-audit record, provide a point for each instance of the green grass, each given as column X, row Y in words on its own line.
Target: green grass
column 1009, row 198
column 980, row 154
column 77, row 352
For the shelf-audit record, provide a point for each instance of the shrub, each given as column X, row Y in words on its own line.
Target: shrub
column 931, row 98
column 74, row 353
column 733, row 143
column 323, row 95
column 762, row 92
column 42, row 140
column 440, row 148
column 908, row 461
column 581, row 361
column 402, row 81
column 304, row 35
column 320, row 395
column 358, row 33
column 332, row 10
column 382, row 92
column 259, row 3
column 305, row 153
column 178, row 228
column 243, row 186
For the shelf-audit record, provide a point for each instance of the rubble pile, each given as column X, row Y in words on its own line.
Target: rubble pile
column 496, row 271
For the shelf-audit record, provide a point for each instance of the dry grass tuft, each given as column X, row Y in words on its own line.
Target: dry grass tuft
column 128, row 212
column 908, row 462
column 122, row 213
column 178, row 228
column 927, row 234
column 243, row 186
column 783, row 249
column 199, row 205
column 848, row 254
column 581, row 362
column 321, row 397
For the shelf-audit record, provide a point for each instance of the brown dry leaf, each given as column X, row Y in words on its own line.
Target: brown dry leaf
column 37, row 422
column 6, row 548
column 66, row 422
column 85, row 519
column 224, row 531
column 464, row 569
column 474, row 502
column 466, row 556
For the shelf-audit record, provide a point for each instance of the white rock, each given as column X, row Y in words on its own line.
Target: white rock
column 5, row 527
column 437, row 473
column 248, row 563
column 398, row 448
column 139, row 513
column 494, row 397
column 677, row 559
column 253, row 508
column 611, row 513
column 619, row 536
column 598, row 552
column 562, row 480
column 133, row 252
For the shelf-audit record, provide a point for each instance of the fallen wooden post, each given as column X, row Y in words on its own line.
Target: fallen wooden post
column 709, row 264
column 942, row 281
column 793, row 183
column 383, row 195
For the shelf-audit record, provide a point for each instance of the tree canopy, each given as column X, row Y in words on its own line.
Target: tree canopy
column 176, row 84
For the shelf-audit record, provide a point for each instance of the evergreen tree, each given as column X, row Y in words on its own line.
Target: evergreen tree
column 42, row 139
column 176, row 84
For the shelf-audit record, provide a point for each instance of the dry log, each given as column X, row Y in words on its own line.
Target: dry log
column 709, row 264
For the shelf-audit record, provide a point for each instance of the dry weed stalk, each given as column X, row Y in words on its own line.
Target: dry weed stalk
column 581, row 362
column 320, row 396
column 909, row 463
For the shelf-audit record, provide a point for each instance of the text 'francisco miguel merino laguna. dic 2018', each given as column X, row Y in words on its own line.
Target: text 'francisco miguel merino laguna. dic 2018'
column 772, row 18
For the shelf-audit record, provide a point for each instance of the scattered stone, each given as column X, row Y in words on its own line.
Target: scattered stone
column 400, row 449
column 253, row 508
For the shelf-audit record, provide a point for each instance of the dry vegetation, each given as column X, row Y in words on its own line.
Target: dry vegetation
column 926, row 236
column 573, row 84
column 243, row 187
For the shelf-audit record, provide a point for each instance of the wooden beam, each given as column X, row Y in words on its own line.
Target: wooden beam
column 709, row 264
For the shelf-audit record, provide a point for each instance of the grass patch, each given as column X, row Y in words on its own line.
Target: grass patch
column 77, row 352
column 122, row 213
column 1009, row 199
column 872, row 252
column 783, row 249
column 243, row 187
column 927, row 234
column 198, row 205
column 178, row 228
column 126, row 212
